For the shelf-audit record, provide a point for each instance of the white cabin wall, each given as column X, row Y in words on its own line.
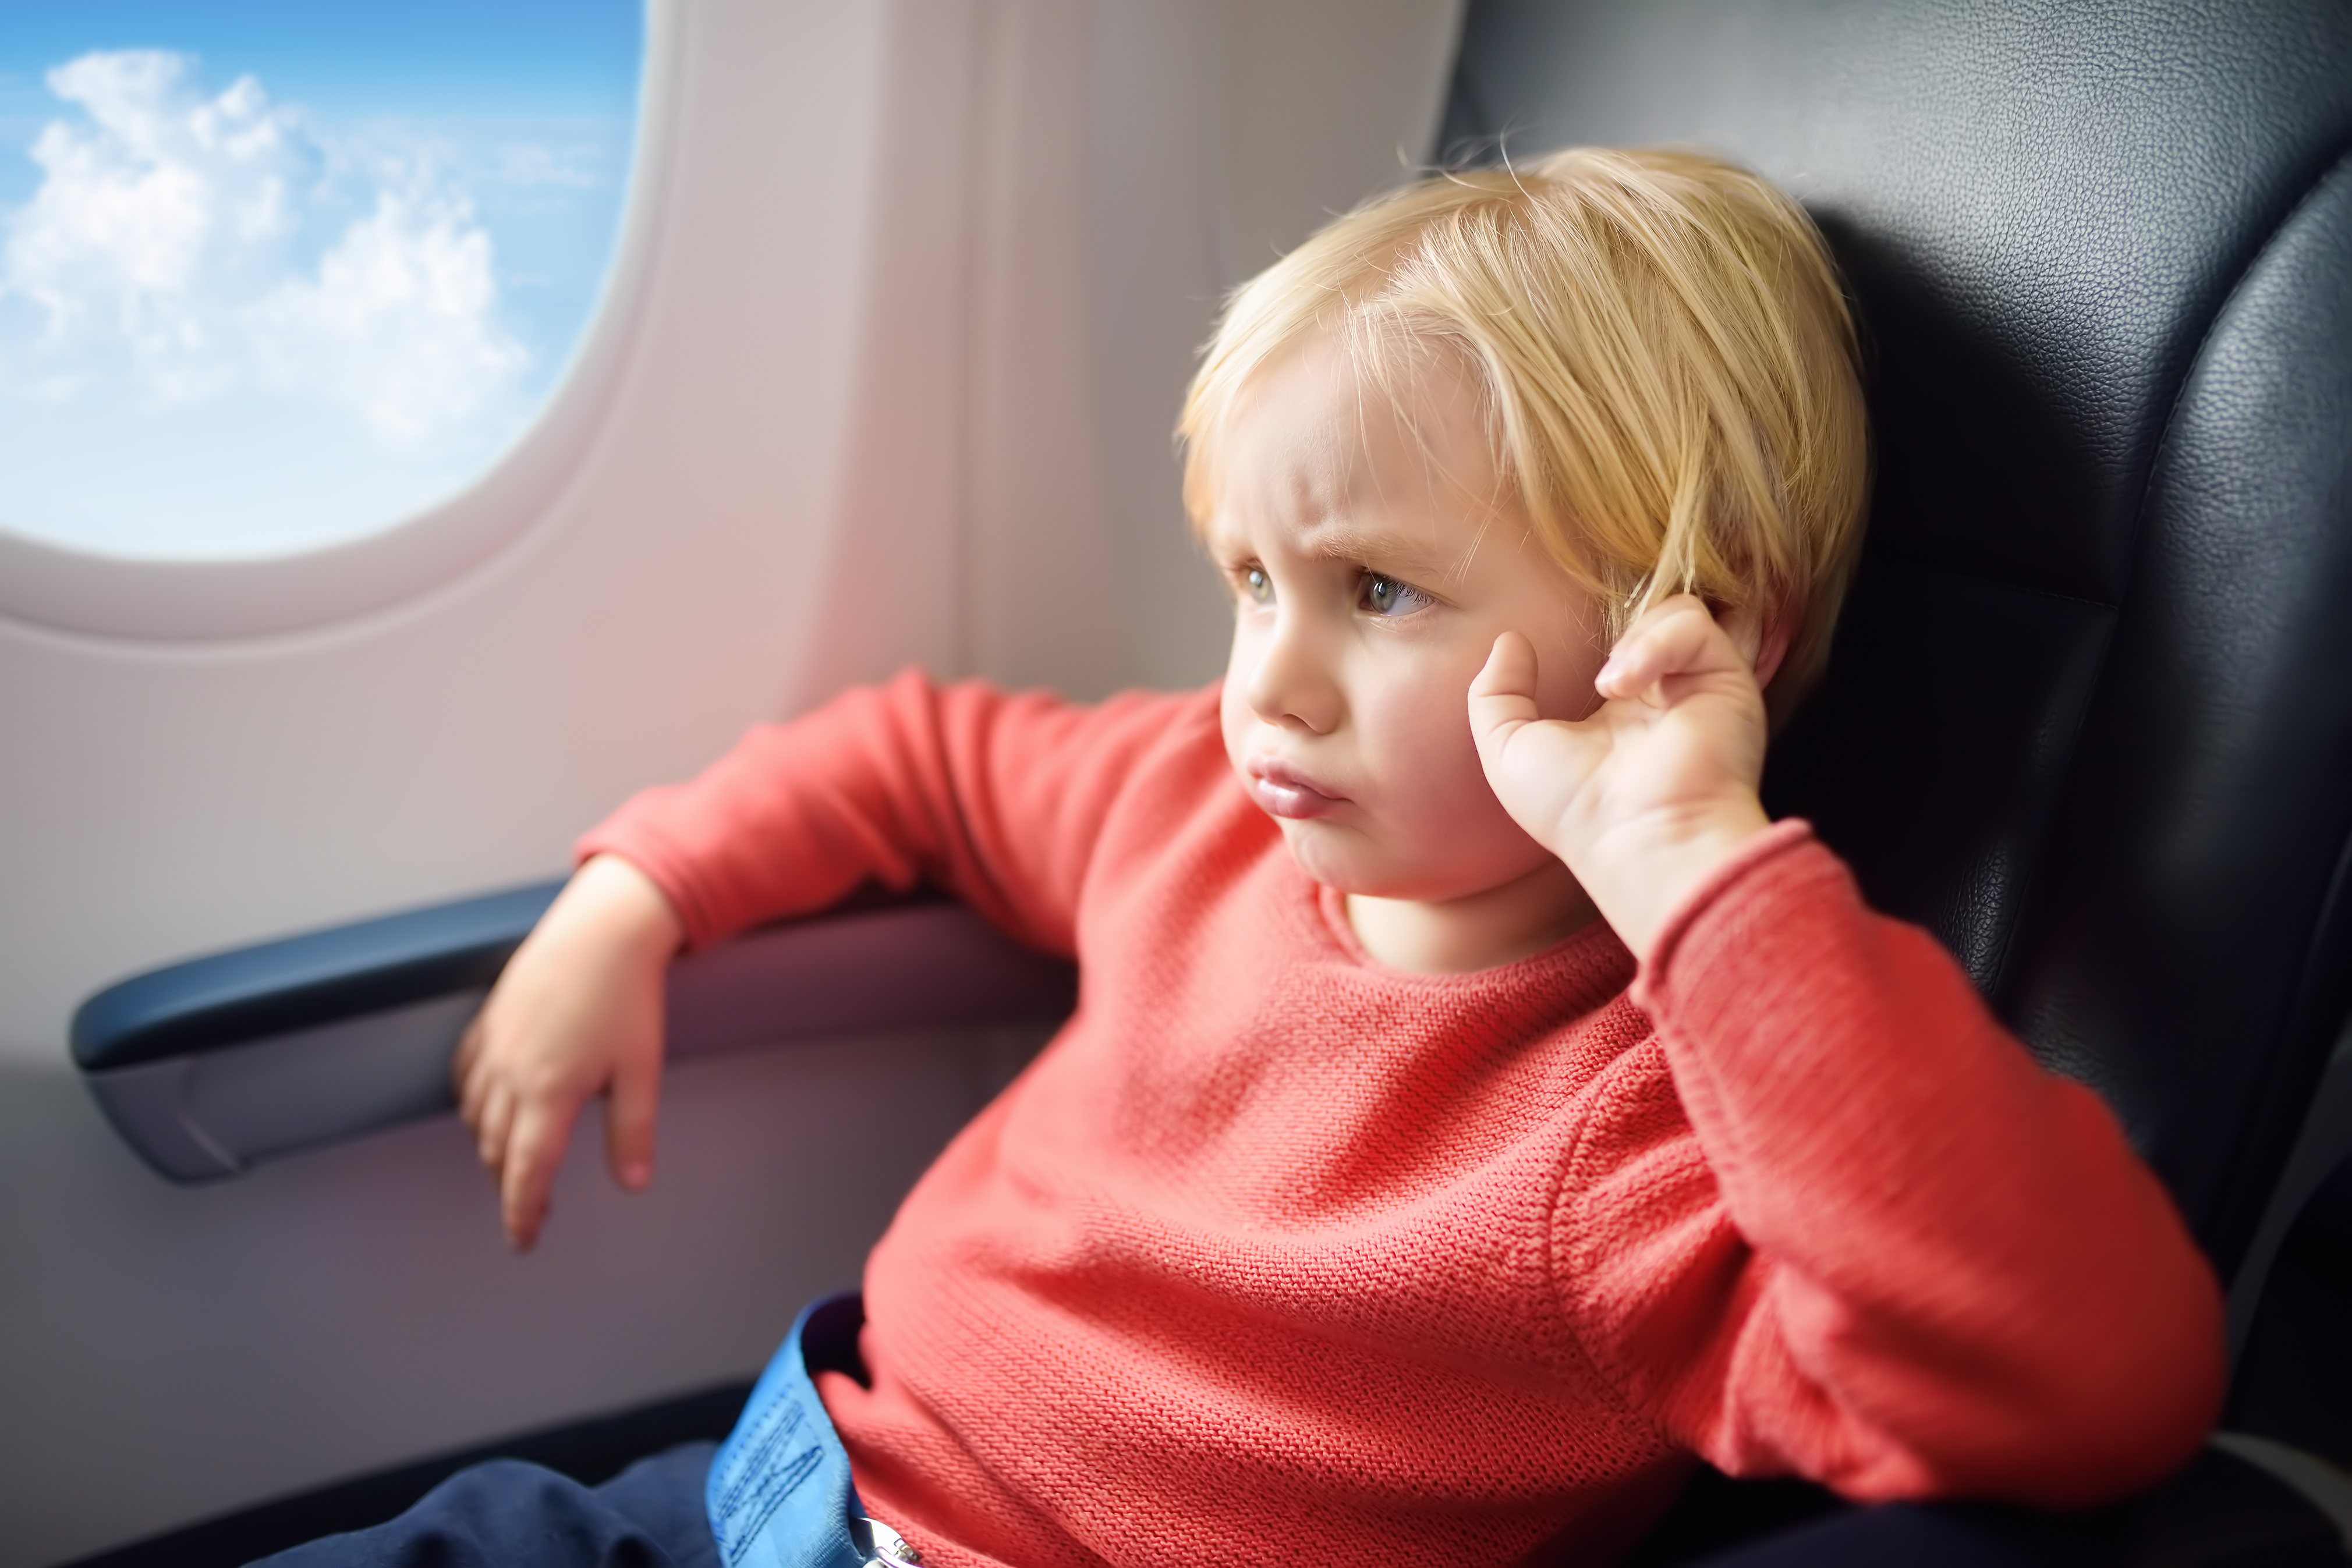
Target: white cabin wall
column 1225, row 132
column 1072, row 187
column 890, row 580
column 1326, row 102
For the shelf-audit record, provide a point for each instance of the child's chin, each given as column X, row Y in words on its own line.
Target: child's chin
column 1315, row 846
column 1336, row 857
column 1352, row 862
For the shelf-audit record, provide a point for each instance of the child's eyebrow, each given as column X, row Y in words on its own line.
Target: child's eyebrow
column 1336, row 541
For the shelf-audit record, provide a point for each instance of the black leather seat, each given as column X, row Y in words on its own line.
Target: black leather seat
column 2089, row 716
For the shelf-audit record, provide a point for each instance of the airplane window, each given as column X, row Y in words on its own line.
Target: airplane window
column 277, row 275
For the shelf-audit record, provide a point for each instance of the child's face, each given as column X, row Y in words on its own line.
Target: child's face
column 1374, row 555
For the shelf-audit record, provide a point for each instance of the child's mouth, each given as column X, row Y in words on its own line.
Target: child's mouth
column 1281, row 790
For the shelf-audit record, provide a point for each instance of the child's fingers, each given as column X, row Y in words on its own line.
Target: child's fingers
column 1678, row 637
column 629, row 1122
column 1658, row 644
column 471, row 1074
column 497, row 1119
column 534, row 1150
column 1503, row 696
column 461, row 1069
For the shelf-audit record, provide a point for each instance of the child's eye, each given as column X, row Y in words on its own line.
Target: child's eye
column 1386, row 596
column 1257, row 585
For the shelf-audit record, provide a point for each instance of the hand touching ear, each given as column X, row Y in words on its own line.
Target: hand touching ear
column 577, row 1013
column 1657, row 786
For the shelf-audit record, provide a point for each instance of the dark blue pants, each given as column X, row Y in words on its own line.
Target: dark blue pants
column 509, row 1514
column 780, row 1486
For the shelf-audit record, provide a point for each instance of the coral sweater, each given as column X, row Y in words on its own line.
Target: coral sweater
column 1277, row 1254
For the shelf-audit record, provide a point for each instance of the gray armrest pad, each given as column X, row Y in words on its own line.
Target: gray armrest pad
column 208, row 1067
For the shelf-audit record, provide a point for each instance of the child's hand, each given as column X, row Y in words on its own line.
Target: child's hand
column 577, row 1012
column 1649, row 793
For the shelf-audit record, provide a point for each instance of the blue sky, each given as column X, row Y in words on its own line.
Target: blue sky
column 274, row 274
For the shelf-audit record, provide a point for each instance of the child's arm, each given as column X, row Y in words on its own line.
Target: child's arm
column 995, row 798
column 1910, row 1263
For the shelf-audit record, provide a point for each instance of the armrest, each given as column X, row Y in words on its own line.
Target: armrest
column 210, row 1066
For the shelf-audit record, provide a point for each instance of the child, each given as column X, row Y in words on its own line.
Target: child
column 1475, row 1109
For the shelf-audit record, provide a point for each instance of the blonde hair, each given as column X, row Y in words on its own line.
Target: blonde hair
column 1663, row 349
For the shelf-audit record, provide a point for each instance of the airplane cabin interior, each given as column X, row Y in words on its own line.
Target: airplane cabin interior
column 882, row 371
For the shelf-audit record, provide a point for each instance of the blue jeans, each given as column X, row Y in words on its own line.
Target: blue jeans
column 776, row 1494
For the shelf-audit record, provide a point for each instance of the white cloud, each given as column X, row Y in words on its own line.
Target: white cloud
column 186, row 248
column 528, row 163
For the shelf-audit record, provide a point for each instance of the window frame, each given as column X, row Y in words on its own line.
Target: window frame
column 57, row 587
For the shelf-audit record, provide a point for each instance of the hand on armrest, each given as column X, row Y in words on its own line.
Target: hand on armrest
column 577, row 1013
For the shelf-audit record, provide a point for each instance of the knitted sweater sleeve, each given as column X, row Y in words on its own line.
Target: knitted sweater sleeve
column 1885, row 1249
column 997, row 798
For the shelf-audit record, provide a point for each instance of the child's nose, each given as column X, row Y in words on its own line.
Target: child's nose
column 1291, row 682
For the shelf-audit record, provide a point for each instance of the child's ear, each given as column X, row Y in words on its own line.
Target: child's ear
column 1780, row 631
